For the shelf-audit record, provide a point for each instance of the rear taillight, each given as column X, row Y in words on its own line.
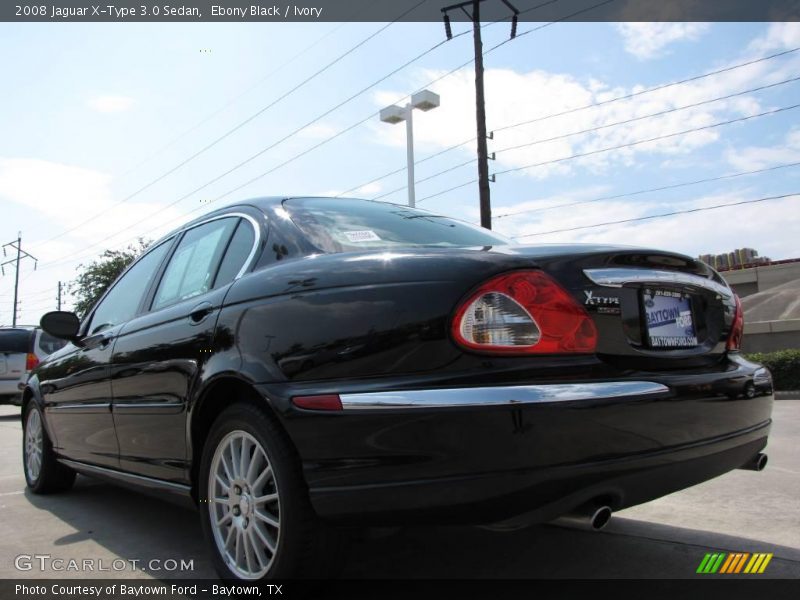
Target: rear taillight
column 524, row 312
column 737, row 328
column 31, row 361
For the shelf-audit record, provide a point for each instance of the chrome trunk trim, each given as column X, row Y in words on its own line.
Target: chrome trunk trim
column 620, row 276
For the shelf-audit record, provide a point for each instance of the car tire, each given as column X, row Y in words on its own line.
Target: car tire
column 258, row 521
column 43, row 473
column 749, row 390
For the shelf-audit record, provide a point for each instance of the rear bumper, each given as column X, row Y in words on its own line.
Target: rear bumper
column 492, row 453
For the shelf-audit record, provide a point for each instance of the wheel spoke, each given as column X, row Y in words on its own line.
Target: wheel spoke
column 248, row 552
column 244, row 457
column 266, row 498
column 225, row 485
column 230, row 537
column 258, row 551
column 225, row 467
column 224, row 519
column 262, row 477
column 265, row 537
column 239, row 549
column 267, row 518
column 252, row 469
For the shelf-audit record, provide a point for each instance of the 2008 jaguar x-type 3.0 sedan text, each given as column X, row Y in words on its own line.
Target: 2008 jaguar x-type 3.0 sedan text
column 293, row 364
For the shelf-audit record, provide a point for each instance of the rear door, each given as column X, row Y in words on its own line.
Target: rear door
column 159, row 356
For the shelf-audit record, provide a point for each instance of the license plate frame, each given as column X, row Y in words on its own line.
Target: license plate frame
column 669, row 319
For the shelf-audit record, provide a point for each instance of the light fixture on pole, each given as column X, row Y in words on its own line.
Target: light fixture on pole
column 425, row 101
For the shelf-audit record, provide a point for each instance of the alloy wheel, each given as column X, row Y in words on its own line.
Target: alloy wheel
column 33, row 444
column 244, row 505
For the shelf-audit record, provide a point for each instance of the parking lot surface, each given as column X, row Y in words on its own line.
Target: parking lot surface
column 741, row 511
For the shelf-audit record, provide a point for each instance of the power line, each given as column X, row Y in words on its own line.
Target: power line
column 608, row 149
column 651, row 115
column 234, row 99
column 573, row 110
column 372, row 115
column 657, row 189
column 576, row 13
column 241, row 124
column 653, row 139
column 649, row 90
column 274, row 144
column 670, row 214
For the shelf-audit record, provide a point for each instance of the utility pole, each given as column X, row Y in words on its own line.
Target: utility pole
column 480, row 100
column 58, row 300
column 16, row 245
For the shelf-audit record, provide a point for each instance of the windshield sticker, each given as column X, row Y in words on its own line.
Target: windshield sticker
column 356, row 237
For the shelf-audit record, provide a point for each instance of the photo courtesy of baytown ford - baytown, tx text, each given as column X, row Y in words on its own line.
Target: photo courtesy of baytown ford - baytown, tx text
column 391, row 298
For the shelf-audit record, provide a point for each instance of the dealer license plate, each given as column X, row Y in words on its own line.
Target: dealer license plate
column 668, row 315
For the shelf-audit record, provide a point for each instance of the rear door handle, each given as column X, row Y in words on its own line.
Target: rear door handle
column 200, row 312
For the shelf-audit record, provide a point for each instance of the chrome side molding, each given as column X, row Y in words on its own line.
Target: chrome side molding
column 124, row 477
column 619, row 276
column 500, row 395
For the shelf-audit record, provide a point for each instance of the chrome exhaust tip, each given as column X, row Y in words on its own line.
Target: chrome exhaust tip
column 589, row 517
column 757, row 463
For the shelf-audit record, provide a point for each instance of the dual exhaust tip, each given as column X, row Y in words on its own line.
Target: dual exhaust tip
column 757, row 463
column 594, row 517
column 589, row 517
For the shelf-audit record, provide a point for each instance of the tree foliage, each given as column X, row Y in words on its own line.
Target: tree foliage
column 93, row 279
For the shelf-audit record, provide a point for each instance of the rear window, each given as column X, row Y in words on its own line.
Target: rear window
column 15, row 340
column 349, row 225
column 49, row 344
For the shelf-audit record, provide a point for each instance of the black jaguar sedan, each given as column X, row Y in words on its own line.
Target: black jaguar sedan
column 290, row 365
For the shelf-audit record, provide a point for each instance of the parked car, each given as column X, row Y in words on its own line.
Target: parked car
column 293, row 364
column 21, row 349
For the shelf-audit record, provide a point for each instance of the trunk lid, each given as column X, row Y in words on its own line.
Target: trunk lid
column 653, row 310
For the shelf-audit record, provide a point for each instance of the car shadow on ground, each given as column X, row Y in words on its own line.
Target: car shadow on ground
column 135, row 526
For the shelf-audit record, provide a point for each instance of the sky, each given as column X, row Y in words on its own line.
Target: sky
column 109, row 132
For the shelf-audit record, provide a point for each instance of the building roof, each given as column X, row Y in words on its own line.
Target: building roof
column 775, row 304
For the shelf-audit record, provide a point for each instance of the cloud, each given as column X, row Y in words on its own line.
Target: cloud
column 110, row 104
column 779, row 36
column 534, row 96
column 751, row 158
column 753, row 225
column 646, row 41
column 318, row 131
column 69, row 196
column 369, row 189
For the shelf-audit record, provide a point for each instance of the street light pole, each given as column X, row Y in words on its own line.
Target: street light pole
column 412, row 194
column 424, row 101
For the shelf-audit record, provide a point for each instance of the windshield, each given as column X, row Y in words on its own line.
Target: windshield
column 350, row 225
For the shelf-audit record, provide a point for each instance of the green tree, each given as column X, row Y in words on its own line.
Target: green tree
column 93, row 279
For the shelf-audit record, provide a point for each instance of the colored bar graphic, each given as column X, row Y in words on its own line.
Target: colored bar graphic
column 734, row 562
column 741, row 563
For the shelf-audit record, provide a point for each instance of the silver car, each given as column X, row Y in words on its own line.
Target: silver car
column 21, row 349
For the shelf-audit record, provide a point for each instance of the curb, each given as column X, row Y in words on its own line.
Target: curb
column 791, row 395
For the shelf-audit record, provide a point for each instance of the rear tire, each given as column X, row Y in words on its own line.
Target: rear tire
column 750, row 390
column 254, row 506
column 43, row 473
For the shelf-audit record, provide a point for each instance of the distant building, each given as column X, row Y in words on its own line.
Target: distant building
column 741, row 258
